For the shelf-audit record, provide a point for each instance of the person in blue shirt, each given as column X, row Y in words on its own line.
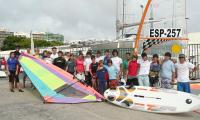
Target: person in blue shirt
column 106, row 57
column 167, row 73
column 113, row 73
column 12, row 69
column 101, row 74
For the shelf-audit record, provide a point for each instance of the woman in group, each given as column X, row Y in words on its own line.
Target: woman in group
column 155, row 68
column 12, row 68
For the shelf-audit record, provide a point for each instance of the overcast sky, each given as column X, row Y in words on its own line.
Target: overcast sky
column 75, row 19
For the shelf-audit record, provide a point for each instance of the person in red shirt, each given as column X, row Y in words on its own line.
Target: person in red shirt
column 132, row 72
column 80, row 67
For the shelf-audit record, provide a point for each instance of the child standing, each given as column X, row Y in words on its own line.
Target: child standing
column 132, row 72
column 93, row 69
column 101, row 74
column 113, row 73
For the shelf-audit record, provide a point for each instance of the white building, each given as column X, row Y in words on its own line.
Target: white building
column 22, row 34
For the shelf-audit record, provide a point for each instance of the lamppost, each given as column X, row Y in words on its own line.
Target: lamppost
column 142, row 7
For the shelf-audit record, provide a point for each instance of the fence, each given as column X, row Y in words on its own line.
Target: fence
column 121, row 51
column 192, row 49
column 194, row 57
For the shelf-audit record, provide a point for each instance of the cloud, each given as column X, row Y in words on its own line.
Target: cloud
column 75, row 19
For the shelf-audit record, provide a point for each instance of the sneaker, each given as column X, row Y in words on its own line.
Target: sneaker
column 11, row 90
column 20, row 90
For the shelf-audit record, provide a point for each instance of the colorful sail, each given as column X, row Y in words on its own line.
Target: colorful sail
column 195, row 86
column 56, row 85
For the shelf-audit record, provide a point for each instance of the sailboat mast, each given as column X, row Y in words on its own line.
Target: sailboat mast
column 151, row 16
column 123, row 19
column 117, row 19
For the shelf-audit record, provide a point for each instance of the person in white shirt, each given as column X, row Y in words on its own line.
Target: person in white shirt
column 87, row 63
column 48, row 59
column 143, row 75
column 54, row 53
column 117, row 62
column 99, row 57
column 183, row 69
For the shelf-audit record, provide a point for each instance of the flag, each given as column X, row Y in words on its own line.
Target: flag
column 155, row 4
column 150, row 43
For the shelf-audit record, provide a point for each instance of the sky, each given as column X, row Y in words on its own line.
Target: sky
column 75, row 19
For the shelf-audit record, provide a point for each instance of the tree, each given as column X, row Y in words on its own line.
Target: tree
column 12, row 41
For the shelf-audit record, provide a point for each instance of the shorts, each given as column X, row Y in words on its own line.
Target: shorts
column 112, row 84
column 184, row 87
column 153, row 80
column 88, row 79
column 132, row 82
column 13, row 77
column 143, row 80
column 166, row 83
column 25, row 75
column 72, row 73
column 80, row 76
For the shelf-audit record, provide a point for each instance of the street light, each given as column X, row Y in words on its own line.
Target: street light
column 142, row 8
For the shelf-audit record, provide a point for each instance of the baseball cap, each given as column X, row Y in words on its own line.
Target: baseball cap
column 181, row 56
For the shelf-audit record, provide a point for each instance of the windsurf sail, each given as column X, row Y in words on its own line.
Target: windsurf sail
column 195, row 86
column 56, row 85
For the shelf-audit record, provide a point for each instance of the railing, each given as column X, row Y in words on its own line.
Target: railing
column 194, row 57
column 193, row 50
column 121, row 51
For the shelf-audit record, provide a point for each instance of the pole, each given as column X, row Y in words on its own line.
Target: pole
column 117, row 20
column 32, row 44
column 151, row 16
column 173, row 14
column 123, row 18
column 140, row 27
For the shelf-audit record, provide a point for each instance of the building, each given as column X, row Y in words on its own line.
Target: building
column 39, row 36
column 4, row 34
column 54, row 37
column 48, row 36
column 22, row 34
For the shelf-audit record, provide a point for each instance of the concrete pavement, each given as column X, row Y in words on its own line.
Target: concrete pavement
column 29, row 106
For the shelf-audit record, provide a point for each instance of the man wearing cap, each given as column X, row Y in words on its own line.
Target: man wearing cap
column 167, row 73
column 182, row 73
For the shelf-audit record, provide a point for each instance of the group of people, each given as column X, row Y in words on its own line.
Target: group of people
column 107, row 71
